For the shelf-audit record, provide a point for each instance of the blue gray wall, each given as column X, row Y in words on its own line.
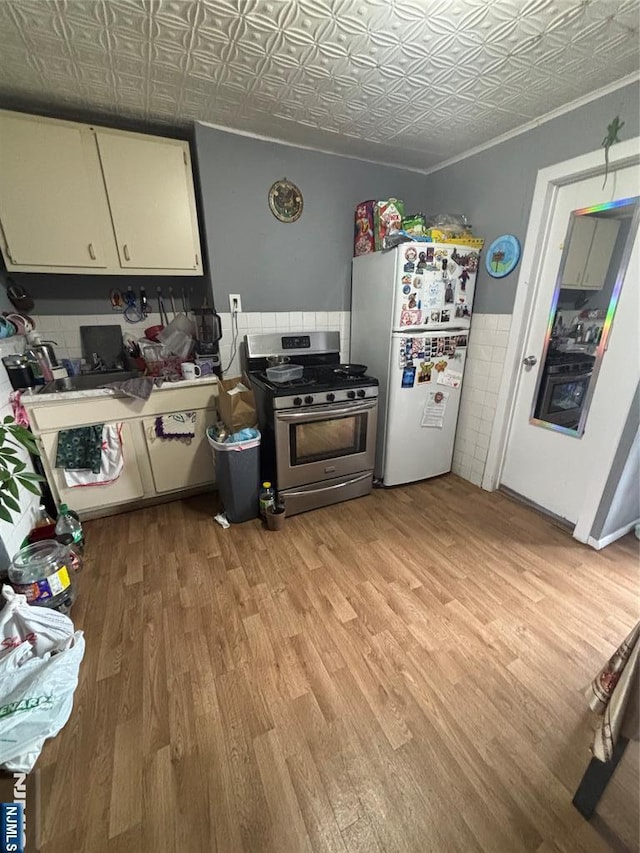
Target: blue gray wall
column 298, row 266
column 495, row 187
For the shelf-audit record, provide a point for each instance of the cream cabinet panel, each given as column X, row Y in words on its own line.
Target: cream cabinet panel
column 126, row 488
column 600, row 254
column 590, row 252
column 581, row 237
column 150, row 193
column 47, row 209
column 176, row 464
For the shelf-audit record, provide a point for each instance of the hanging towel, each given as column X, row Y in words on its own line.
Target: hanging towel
column 111, row 461
column 80, row 448
column 180, row 426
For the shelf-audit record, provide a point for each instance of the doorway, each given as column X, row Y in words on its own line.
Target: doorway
column 573, row 349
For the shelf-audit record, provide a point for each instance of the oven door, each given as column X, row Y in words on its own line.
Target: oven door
column 563, row 398
column 325, row 442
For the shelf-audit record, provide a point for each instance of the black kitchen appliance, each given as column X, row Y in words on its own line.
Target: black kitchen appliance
column 319, row 431
column 565, row 381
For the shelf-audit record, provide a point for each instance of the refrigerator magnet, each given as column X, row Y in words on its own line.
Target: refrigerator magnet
column 408, row 375
column 429, row 255
column 409, row 267
column 445, row 316
column 425, row 371
column 406, row 279
column 435, row 316
column 406, row 289
column 410, row 254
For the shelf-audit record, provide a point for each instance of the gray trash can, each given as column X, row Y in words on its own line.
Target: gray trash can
column 238, row 476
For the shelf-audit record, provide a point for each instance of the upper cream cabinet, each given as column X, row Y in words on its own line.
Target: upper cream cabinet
column 590, row 251
column 81, row 199
column 47, row 189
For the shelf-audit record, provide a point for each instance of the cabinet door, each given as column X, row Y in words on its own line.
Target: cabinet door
column 126, row 488
column 176, row 464
column 47, row 210
column 150, row 191
column 581, row 238
column 600, row 254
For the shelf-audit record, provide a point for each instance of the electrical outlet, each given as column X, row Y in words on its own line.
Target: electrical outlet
column 235, row 303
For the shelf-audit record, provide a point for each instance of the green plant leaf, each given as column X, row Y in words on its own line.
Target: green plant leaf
column 19, row 466
column 5, row 515
column 29, row 486
column 37, row 478
column 12, row 486
column 4, row 475
column 8, row 420
column 9, row 501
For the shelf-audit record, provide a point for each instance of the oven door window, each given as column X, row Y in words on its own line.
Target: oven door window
column 566, row 396
column 330, row 438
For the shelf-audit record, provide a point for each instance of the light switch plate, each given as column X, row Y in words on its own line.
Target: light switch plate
column 238, row 301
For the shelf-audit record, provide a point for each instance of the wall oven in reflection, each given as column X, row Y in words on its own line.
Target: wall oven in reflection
column 563, row 392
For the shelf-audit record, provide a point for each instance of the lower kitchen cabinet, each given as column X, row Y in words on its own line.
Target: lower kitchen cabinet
column 154, row 468
column 127, row 487
column 179, row 464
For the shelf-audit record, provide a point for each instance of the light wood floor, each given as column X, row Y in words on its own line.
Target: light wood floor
column 399, row 673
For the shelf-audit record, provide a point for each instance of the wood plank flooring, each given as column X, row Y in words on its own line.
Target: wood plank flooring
column 400, row 673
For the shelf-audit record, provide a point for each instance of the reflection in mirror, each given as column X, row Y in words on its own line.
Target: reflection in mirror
column 592, row 270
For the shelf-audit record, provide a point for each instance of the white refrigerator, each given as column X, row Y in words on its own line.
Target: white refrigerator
column 410, row 317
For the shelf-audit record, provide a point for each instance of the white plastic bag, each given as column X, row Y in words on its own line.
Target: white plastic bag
column 38, row 676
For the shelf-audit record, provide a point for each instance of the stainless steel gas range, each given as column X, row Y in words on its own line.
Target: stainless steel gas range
column 319, row 431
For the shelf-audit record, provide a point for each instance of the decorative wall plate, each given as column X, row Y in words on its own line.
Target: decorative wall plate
column 285, row 201
column 502, row 256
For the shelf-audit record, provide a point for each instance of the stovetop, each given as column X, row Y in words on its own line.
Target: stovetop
column 315, row 379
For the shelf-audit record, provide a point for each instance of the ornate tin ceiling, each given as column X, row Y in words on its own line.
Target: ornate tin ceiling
column 408, row 81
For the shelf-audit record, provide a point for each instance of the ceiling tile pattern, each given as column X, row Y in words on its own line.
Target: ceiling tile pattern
column 411, row 82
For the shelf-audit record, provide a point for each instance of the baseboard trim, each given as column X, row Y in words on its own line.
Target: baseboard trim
column 598, row 544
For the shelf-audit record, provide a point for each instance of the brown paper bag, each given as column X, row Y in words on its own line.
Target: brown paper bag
column 236, row 408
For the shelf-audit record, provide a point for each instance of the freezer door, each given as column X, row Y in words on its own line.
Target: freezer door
column 423, row 401
column 434, row 285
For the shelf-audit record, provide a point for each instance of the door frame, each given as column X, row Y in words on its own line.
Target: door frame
column 548, row 183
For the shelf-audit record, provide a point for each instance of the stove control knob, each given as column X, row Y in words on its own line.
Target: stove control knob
column 308, row 399
column 297, row 401
column 351, row 395
column 331, row 398
column 361, row 392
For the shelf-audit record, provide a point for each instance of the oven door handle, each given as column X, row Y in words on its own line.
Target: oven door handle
column 326, row 410
column 287, row 493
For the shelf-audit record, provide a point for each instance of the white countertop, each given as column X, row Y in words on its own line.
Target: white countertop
column 30, row 398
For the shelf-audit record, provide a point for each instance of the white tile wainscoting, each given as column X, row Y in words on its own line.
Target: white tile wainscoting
column 65, row 330
column 483, row 372
column 13, row 533
column 482, row 378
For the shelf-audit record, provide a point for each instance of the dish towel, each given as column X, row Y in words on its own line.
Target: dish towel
column 180, row 426
column 140, row 387
column 80, row 448
column 111, row 461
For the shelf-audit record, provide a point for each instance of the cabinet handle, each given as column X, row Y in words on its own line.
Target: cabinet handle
column 125, row 252
column 92, row 252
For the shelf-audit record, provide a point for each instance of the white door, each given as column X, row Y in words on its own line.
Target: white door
column 150, row 191
column 425, row 377
column 549, row 467
column 47, row 198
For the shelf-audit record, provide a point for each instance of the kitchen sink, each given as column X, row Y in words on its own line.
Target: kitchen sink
column 88, row 381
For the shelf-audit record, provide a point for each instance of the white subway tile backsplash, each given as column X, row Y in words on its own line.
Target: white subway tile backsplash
column 483, row 376
column 308, row 320
column 268, row 319
column 295, row 320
